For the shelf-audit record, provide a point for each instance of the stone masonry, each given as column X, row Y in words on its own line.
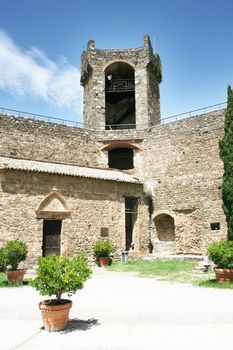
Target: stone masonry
column 93, row 204
column 177, row 165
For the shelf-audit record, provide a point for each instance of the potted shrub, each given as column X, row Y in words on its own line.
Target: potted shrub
column 102, row 250
column 57, row 275
column 13, row 253
column 2, row 260
column 221, row 253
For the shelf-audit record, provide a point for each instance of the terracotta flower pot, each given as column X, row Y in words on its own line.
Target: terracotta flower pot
column 103, row 261
column 55, row 316
column 15, row 276
column 223, row 275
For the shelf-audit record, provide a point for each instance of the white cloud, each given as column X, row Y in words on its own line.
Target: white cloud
column 30, row 73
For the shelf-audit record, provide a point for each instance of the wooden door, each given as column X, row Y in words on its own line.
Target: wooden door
column 52, row 237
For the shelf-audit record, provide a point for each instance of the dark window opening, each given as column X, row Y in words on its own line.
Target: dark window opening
column 131, row 210
column 121, row 158
column 51, row 237
column 120, row 96
column 215, row 226
column 165, row 227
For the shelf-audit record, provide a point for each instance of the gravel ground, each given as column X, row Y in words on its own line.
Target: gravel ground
column 119, row 311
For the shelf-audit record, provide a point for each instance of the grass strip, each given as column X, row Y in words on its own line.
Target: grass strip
column 180, row 271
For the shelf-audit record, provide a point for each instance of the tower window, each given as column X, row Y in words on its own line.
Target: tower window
column 121, row 158
column 120, row 96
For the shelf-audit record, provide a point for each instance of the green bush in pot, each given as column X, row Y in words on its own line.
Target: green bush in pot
column 221, row 253
column 102, row 248
column 15, row 251
column 60, row 274
column 2, row 260
column 57, row 275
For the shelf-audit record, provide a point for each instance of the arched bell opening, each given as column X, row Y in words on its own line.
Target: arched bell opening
column 120, row 96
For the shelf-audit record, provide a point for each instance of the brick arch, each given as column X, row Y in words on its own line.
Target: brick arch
column 165, row 225
column 119, row 144
column 106, row 65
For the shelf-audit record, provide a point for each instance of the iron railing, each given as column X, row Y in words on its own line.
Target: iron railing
column 193, row 113
column 42, row 117
column 119, row 85
column 175, row 117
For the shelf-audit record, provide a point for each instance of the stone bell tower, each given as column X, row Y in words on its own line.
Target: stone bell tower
column 121, row 87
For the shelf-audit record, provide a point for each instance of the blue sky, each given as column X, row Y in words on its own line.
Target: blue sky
column 41, row 42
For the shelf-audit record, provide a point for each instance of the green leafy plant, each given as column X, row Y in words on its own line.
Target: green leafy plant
column 102, row 248
column 2, row 259
column 14, row 252
column 221, row 253
column 60, row 274
column 226, row 154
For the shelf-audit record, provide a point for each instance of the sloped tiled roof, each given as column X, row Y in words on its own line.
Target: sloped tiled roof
column 66, row 169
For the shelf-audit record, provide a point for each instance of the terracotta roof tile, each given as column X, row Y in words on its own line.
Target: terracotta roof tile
column 66, row 169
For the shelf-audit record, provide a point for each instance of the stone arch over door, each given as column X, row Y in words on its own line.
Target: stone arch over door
column 165, row 226
column 53, row 206
column 53, row 209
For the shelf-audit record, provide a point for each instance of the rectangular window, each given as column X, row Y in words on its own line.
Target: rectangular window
column 215, row 226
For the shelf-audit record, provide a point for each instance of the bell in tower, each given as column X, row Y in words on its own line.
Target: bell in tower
column 121, row 87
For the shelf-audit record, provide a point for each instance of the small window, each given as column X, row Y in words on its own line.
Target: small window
column 215, row 226
column 121, row 158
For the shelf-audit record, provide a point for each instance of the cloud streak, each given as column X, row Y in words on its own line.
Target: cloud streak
column 30, row 73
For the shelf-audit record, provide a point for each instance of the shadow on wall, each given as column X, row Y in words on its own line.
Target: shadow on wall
column 150, row 206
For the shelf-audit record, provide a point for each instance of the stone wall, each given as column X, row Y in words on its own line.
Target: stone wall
column 181, row 169
column 39, row 140
column 93, row 205
column 178, row 162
